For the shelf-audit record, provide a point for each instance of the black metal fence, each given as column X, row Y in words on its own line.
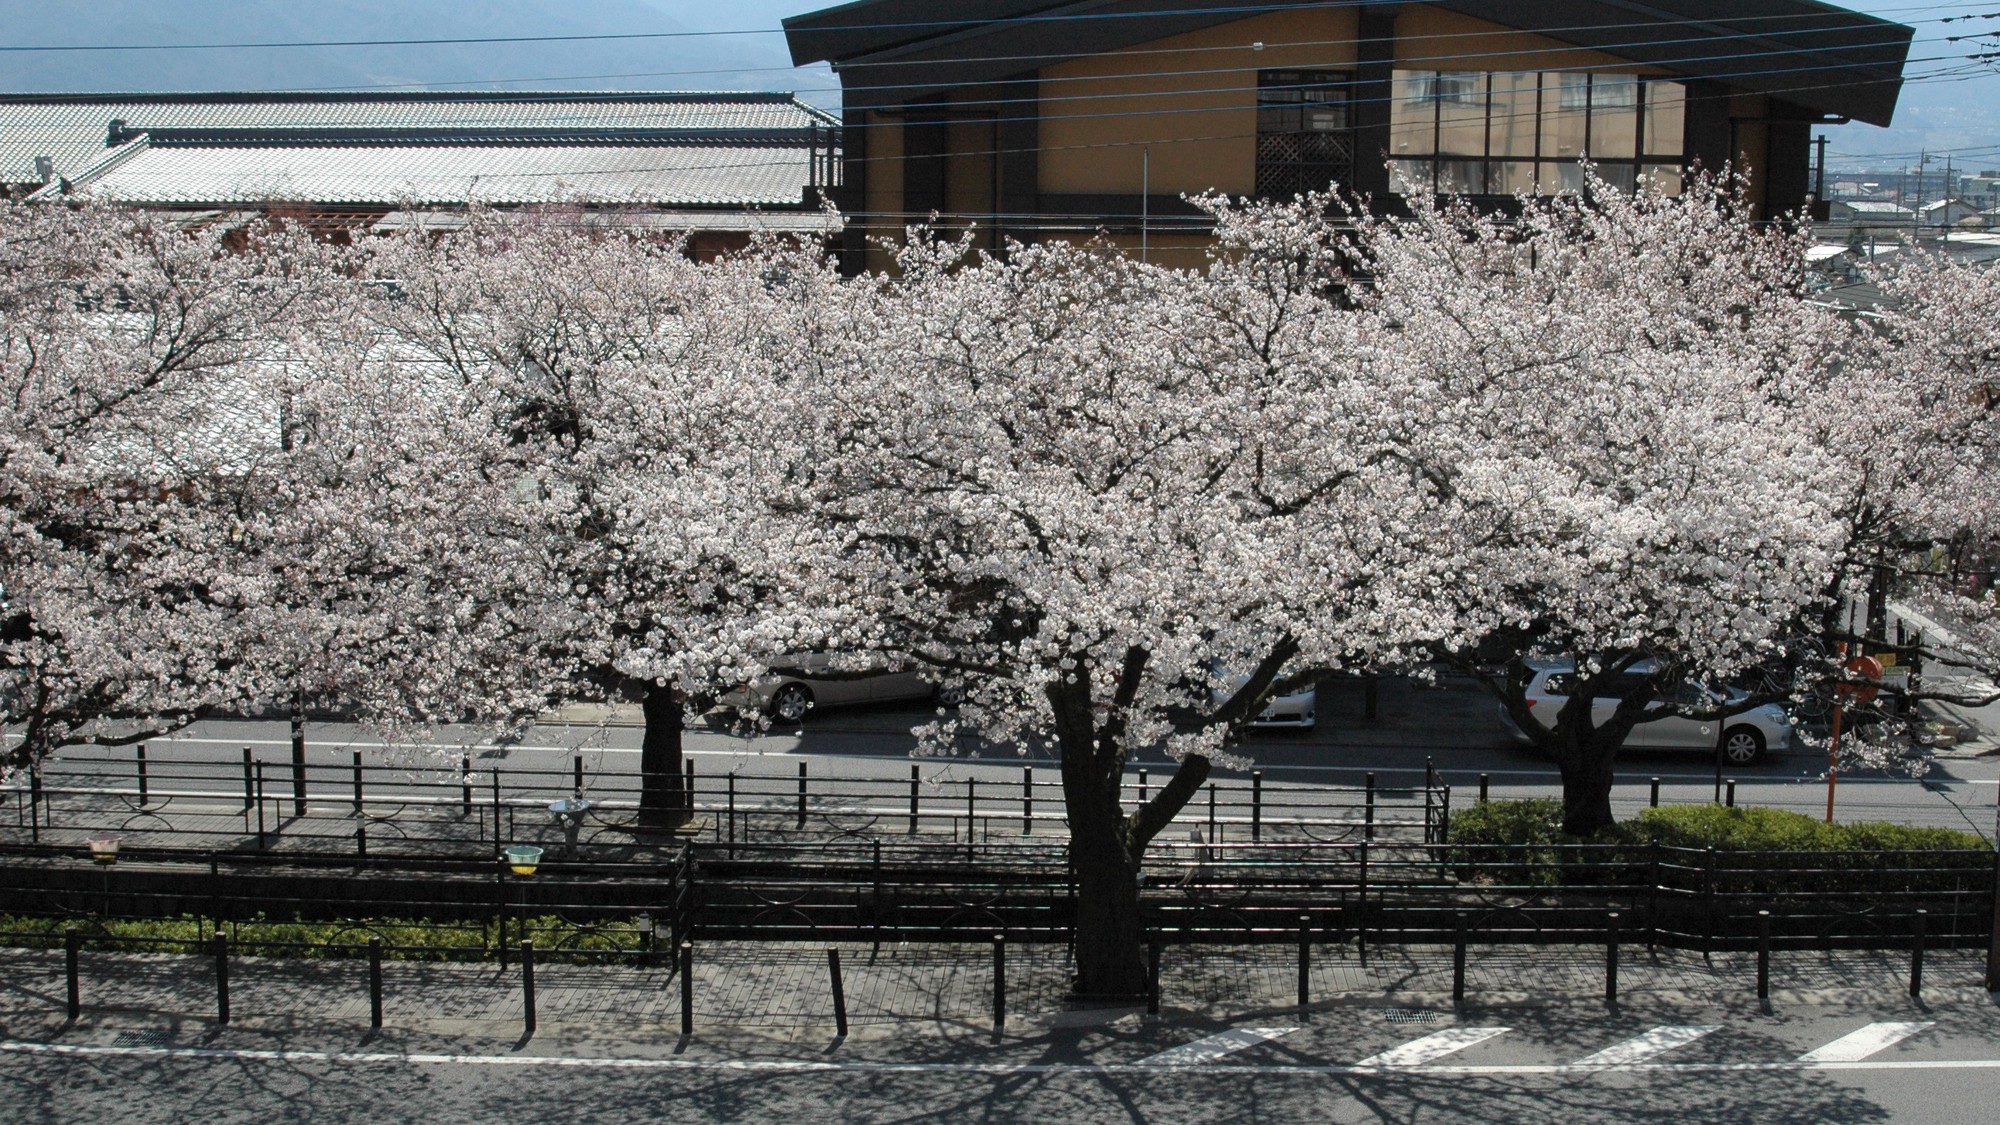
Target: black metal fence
column 361, row 808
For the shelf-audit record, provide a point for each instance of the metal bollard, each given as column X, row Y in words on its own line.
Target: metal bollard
column 357, row 783
column 687, row 789
column 913, row 800
column 687, row 988
column 361, row 841
column 1656, row 792
column 375, row 983
column 1458, row 959
column 1611, row 958
column 139, row 753
column 249, row 780
column 1256, row 805
column 1729, row 793
column 528, row 985
column 261, row 843
column 999, row 982
column 1917, row 955
column 465, row 785
column 1142, row 787
column 1484, row 783
column 576, row 772
column 839, row 994
column 1305, row 959
column 971, row 813
column 72, row 977
column 732, row 814
column 222, row 978
column 1153, row 976
column 1763, row 955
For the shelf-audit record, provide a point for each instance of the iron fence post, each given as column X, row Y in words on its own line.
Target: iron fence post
column 262, row 844
column 497, row 837
column 1256, row 805
column 914, row 785
column 1361, row 906
column 1763, row 955
column 1656, row 793
column 999, row 982
column 839, row 994
column 802, row 796
column 72, row 975
column 1142, row 787
column 1458, row 959
column 249, row 781
column 222, row 978
column 1027, row 800
column 1993, row 911
column 1305, row 959
column 971, row 813
column 465, row 786
column 358, row 801
column 528, row 985
column 375, row 983
column 687, row 988
column 732, row 814
column 35, row 804
column 1368, row 809
column 1611, row 959
column 1484, row 782
column 687, row 789
column 1917, row 955
column 139, row 757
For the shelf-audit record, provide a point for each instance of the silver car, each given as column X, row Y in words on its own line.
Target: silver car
column 1745, row 736
column 799, row 683
column 1296, row 711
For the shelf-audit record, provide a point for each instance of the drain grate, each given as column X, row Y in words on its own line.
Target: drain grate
column 1409, row 1015
column 143, row 1039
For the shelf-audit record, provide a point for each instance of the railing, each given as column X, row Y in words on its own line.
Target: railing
column 361, row 808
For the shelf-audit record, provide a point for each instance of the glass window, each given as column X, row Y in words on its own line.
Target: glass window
column 1510, row 128
column 1305, row 138
column 1666, row 111
column 1412, row 115
column 1614, row 117
column 1565, row 115
column 1665, row 178
column 1462, row 122
column 1513, row 177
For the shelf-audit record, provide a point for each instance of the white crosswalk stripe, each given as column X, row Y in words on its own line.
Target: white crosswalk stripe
column 1436, row 1046
column 1639, row 1048
column 1858, row 1045
column 1215, row 1046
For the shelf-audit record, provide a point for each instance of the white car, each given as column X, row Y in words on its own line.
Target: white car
column 1296, row 711
column 797, row 684
column 1745, row 736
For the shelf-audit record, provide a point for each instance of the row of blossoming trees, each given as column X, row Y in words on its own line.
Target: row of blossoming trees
column 427, row 478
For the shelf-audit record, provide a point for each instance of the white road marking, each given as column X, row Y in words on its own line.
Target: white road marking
column 1640, row 1048
column 1434, row 1046
column 1215, row 1046
column 1858, row 1045
column 358, row 1058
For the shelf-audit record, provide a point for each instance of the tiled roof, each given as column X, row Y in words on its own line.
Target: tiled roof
column 72, row 128
column 678, row 175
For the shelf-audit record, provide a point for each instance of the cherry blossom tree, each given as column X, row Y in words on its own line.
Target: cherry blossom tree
column 1617, row 428
column 1115, row 504
column 607, row 503
column 130, row 353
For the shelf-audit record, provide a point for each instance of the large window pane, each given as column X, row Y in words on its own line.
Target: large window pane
column 1511, row 126
column 1614, row 117
column 1462, row 117
column 1565, row 115
column 1666, row 178
column 1412, row 115
column 1564, row 178
column 1514, row 177
column 1666, row 110
column 1408, row 175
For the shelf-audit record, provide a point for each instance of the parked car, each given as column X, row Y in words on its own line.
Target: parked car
column 799, row 683
column 1296, row 711
column 1745, row 736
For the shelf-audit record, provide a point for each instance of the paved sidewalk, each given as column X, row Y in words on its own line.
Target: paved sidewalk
column 782, row 992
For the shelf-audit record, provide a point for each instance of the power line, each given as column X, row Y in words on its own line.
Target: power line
column 1042, row 17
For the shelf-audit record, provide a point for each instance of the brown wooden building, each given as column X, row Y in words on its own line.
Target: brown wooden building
column 1033, row 119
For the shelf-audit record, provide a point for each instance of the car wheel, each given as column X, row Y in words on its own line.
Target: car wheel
column 950, row 695
column 1742, row 745
column 790, row 703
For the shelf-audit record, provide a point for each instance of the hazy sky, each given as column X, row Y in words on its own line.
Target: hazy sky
column 1950, row 104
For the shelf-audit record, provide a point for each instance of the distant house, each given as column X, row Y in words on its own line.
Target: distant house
column 1946, row 213
column 719, row 165
column 1870, row 213
column 1029, row 120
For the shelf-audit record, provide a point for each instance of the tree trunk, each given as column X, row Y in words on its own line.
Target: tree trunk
column 1585, row 764
column 1110, row 945
column 662, row 795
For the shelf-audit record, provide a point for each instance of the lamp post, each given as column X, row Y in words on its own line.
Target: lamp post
column 104, row 853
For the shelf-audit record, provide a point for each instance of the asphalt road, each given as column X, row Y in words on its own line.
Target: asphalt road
column 1570, row 1063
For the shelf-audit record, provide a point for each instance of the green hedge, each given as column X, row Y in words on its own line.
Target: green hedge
column 402, row 939
column 1517, row 842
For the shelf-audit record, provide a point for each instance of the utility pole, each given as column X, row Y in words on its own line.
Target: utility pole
column 1819, row 173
